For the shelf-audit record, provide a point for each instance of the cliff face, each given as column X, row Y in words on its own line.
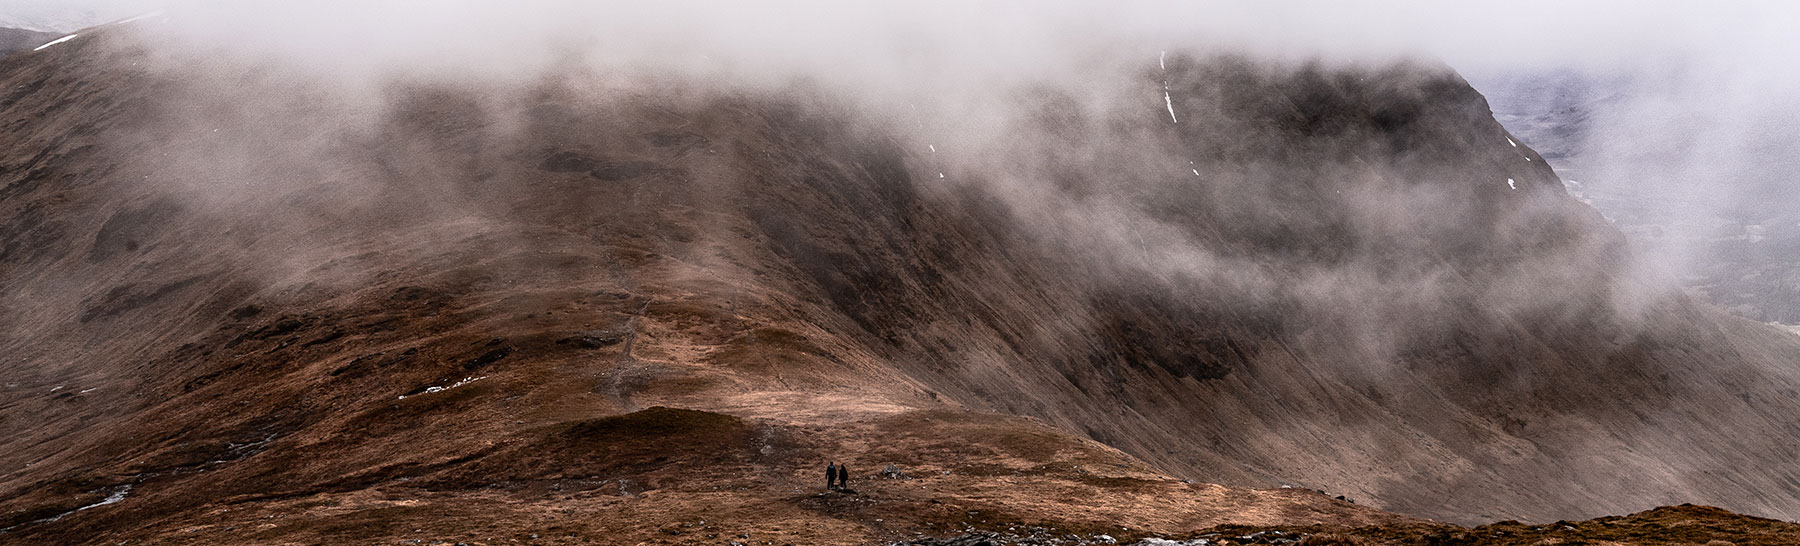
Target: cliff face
column 236, row 286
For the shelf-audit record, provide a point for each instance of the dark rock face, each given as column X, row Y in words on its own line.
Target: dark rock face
column 601, row 169
column 594, row 339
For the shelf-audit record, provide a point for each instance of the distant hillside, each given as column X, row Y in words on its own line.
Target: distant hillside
column 13, row 40
column 56, row 17
column 1727, row 225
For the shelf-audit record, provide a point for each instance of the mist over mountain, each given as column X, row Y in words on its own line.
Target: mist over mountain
column 13, row 40
column 304, row 289
column 1719, row 218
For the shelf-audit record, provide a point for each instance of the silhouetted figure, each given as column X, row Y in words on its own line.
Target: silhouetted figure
column 831, row 475
column 844, row 476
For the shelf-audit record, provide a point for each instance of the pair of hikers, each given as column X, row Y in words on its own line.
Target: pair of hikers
column 837, row 476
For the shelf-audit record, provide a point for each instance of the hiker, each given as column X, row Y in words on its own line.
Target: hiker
column 844, row 477
column 831, row 475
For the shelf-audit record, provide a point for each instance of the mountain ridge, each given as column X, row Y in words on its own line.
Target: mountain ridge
column 265, row 289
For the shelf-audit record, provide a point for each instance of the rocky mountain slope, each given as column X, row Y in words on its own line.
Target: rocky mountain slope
column 244, row 306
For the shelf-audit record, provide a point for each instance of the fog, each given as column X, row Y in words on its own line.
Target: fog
column 1688, row 145
column 1527, row 33
column 1711, row 82
column 967, row 79
column 1152, row 139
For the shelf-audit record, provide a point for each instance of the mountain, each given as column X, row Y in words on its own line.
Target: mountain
column 14, row 40
column 245, row 306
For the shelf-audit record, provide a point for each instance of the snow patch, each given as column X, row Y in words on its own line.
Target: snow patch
column 1159, row 60
column 1196, row 172
column 940, row 176
column 88, row 390
column 933, row 147
column 112, row 498
column 56, row 41
column 1509, row 184
column 1171, row 104
column 465, row 381
column 1509, row 140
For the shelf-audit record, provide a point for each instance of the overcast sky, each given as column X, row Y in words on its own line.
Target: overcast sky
column 1471, row 35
